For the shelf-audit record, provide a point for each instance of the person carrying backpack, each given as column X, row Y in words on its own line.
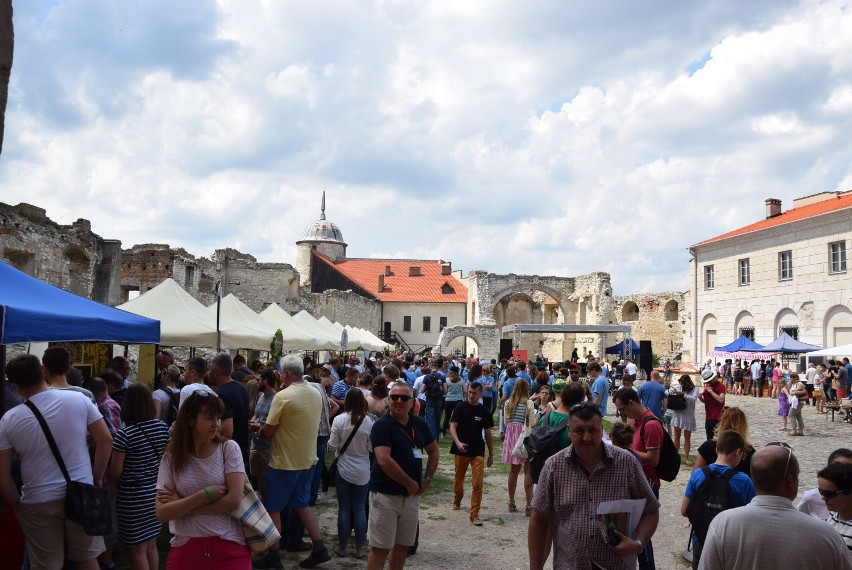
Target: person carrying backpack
column 167, row 397
column 434, row 388
column 716, row 488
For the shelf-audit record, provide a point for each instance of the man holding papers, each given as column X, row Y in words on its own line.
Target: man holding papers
column 573, row 483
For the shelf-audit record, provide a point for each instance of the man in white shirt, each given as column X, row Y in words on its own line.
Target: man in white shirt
column 418, row 384
column 733, row 544
column 70, row 416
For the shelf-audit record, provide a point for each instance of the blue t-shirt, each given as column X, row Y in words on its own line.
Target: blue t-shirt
column 601, row 388
column 741, row 486
column 652, row 394
column 525, row 376
column 508, row 386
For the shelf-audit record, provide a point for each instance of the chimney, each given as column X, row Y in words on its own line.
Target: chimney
column 446, row 268
column 388, row 271
column 381, row 282
column 773, row 207
column 414, row 271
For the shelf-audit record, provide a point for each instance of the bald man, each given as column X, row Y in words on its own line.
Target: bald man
column 732, row 542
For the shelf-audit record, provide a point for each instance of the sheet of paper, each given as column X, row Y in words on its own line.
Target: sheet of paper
column 632, row 507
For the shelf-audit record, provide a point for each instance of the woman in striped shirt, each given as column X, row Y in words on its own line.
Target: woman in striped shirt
column 136, row 452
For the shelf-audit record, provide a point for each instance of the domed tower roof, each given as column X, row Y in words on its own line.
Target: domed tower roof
column 322, row 229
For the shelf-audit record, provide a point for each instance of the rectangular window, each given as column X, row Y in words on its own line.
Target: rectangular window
column 747, row 332
column 744, row 271
column 427, row 324
column 837, row 256
column 709, row 279
column 406, row 323
column 785, row 265
column 442, row 323
column 189, row 276
column 792, row 331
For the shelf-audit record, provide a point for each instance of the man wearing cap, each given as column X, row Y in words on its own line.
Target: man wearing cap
column 713, row 396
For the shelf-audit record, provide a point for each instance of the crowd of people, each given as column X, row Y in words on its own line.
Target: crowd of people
column 182, row 454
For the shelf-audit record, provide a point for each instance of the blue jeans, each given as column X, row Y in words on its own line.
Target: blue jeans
column 322, row 446
column 646, row 557
column 433, row 416
column 351, row 508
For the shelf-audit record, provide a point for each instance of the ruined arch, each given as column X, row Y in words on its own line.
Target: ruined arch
column 486, row 337
column 629, row 312
column 525, row 290
column 671, row 310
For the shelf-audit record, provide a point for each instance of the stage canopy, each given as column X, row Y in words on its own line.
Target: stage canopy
column 621, row 347
column 34, row 311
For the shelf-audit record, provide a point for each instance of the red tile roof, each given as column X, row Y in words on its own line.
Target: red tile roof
column 400, row 286
column 796, row 214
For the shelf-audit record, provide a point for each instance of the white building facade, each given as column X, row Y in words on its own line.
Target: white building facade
column 786, row 273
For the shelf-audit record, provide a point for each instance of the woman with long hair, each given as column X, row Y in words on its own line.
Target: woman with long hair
column 171, row 382
column 518, row 412
column 136, row 452
column 353, row 470
column 455, row 396
column 732, row 418
column 200, row 482
column 684, row 420
column 377, row 401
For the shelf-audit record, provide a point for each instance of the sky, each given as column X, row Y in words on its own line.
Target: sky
column 541, row 137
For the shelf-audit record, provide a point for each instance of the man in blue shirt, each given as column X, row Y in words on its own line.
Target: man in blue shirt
column 600, row 386
column 522, row 372
column 653, row 395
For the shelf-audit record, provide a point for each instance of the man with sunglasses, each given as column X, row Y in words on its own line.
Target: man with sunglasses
column 397, row 480
column 786, row 535
column 572, row 484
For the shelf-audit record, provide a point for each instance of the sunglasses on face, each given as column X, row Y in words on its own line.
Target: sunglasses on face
column 398, row 397
column 831, row 494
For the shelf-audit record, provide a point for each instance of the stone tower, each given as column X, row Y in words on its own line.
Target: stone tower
column 323, row 237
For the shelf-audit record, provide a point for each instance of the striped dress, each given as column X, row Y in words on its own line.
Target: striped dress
column 143, row 445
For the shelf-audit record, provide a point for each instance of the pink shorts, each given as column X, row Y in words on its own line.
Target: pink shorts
column 210, row 553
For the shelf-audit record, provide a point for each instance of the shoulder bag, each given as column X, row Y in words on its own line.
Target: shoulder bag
column 258, row 528
column 332, row 470
column 85, row 504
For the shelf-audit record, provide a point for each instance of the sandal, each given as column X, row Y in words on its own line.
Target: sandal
column 528, row 511
column 512, row 508
column 341, row 551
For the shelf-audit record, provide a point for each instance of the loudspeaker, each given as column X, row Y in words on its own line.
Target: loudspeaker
column 646, row 356
column 505, row 348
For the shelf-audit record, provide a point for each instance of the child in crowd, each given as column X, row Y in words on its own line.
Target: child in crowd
column 783, row 404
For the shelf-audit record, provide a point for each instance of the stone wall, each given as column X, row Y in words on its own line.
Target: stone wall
column 500, row 300
column 71, row 257
column 657, row 317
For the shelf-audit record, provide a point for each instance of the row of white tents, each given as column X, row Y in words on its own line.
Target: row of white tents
column 186, row 322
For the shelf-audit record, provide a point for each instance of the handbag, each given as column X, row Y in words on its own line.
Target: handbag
column 332, row 470
column 258, row 528
column 519, row 450
column 85, row 504
column 676, row 402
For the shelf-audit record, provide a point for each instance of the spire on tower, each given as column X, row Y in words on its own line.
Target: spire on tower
column 322, row 215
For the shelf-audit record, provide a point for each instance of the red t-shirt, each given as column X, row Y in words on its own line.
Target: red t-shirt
column 653, row 439
column 712, row 407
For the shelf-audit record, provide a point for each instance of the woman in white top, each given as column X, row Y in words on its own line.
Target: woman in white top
column 170, row 380
column 353, row 469
column 684, row 420
column 200, row 482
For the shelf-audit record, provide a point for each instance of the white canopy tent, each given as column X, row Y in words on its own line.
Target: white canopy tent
column 183, row 320
column 290, row 324
column 258, row 331
column 360, row 338
column 375, row 340
column 323, row 329
column 842, row 350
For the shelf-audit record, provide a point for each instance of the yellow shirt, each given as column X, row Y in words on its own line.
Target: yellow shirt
column 296, row 411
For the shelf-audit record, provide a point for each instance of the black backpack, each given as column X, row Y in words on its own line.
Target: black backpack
column 712, row 497
column 542, row 443
column 434, row 386
column 174, row 404
column 669, row 463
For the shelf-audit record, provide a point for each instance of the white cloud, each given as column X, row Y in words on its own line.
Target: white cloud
column 562, row 137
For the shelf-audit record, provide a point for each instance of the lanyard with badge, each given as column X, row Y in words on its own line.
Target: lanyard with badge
column 418, row 454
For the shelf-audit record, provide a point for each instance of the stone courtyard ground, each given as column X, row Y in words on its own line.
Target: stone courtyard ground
column 448, row 540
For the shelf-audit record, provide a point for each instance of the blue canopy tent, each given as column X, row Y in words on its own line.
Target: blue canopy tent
column 742, row 344
column 621, row 347
column 34, row 311
column 786, row 344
